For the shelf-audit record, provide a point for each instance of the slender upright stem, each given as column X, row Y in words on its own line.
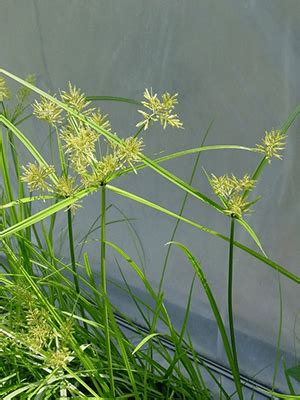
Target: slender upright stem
column 72, row 251
column 229, row 293
column 104, row 289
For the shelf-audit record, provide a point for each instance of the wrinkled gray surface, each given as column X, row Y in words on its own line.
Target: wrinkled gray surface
column 234, row 61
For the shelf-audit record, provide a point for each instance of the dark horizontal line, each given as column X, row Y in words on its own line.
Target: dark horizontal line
column 246, row 381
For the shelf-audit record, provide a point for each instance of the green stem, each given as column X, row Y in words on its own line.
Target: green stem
column 72, row 251
column 138, row 131
column 73, row 262
column 256, row 173
column 229, row 294
column 278, row 352
column 104, row 288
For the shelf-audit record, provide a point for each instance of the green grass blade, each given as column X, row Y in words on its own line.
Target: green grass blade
column 248, row 250
column 25, row 200
column 198, row 269
column 114, row 98
column 145, row 340
column 187, row 152
column 33, row 151
column 251, row 232
column 39, row 216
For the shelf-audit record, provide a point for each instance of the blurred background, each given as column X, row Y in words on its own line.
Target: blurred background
column 233, row 62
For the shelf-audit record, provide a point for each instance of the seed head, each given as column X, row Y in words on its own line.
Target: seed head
column 35, row 176
column 130, row 149
column 237, row 206
column 80, row 145
column 223, row 186
column 159, row 110
column 65, row 186
column 47, row 111
column 23, row 296
column 24, row 91
column 59, row 358
column 272, row 144
column 102, row 170
column 4, row 91
column 101, row 120
column 76, row 99
column 39, row 332
column 229, row 188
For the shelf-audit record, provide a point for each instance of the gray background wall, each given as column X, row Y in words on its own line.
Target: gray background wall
column 234, row 61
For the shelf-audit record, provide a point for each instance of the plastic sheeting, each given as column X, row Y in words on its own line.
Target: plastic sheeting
column 235, row 62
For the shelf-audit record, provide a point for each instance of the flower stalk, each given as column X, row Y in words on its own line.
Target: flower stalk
column 104, row 288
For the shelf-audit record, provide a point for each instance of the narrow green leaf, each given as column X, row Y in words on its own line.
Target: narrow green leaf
column 39, row 216
column 260, row 257
column 145, row 340
column 198, row 269
column 251, row 233
column 33, row 151
column 185, row 153
column 26, row 200
column 113, row 98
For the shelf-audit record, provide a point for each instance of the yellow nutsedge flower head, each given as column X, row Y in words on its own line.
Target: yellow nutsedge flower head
column 236, row 206
column 47, row 111
column 76, row 99
column 108, row 165
column 24, row 91
column 228, row 189
column 223, row 186
column 160, row 110
column 129, row 150
column 59, row 358
column 65, row 186
column 80, row 145
column 226, row 186
column 4, row 91
column 23, row 295
column 101, row 171
column 35, row 176
column 245, row 183
column 101, row 120
column 272, row 144
column 39, row 332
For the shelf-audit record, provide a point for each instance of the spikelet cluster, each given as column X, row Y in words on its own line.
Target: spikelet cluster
column 159, row 110
column 48, row 111
column 59, row 358
column 82, row 145
column 24, row 91
column 31, row 329
column 272, row 144
column 229, row 189
column 4, row 91
column 36, row 176
column 76, row 100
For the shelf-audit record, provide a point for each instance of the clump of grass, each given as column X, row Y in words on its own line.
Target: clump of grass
column 59, row 336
